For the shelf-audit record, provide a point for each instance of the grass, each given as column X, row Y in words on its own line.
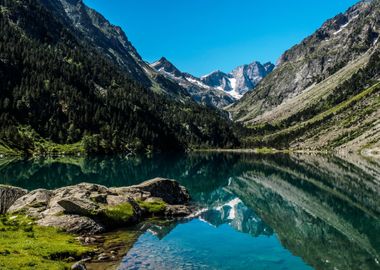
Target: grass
column 153, row 207
column 119, row 214
column 318, row 119
column 24, row 245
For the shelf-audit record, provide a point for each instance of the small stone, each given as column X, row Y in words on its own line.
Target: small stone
column 89, row 240
column 103, row 257
column 78, row 266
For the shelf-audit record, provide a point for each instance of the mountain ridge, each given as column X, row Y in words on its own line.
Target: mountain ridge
column 300, row 104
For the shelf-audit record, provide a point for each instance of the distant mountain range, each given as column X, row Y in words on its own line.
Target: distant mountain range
column 217, row 89
column 241, row 80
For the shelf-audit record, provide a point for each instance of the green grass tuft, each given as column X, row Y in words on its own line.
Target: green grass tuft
column 121, row 213
column 24, row 245
column 153, row 207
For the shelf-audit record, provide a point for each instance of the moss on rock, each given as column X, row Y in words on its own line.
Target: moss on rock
column 152, row 206
column 121, row 213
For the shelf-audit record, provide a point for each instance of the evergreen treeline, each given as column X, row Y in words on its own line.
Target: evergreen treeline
column 63, row 90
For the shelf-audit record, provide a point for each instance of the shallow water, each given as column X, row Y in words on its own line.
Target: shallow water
column 258, row 212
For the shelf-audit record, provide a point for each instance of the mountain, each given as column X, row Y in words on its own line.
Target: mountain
column 70, row 82
column 324, row 91
column 241, row 80
column 199, row 91
column 111, row 41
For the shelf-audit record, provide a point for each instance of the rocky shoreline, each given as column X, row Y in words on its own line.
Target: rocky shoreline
column 91, row 211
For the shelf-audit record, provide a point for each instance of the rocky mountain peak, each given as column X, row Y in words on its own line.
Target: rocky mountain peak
column 164, row 65
column 239, row 81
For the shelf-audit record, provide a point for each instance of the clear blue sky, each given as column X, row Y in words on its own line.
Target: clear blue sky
column 200, row 36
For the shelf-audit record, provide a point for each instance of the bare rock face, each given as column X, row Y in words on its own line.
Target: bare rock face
column 82, row 208
column 78, row 206
column 200, row 92
column 73, row 224
column 8, row 195
column 166, row 189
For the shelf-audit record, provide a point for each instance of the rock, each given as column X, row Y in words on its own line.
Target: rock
column 99, row 198
column 177, row 211
column 103, row 257
column 8, row 195
column 32, row 203
column 73, row 224
column 117, row 199
column 77, row 206
column 79, row 266
column 85, row 208
column 166, row 189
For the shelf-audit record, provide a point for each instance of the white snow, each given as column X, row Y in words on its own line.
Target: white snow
column 345, row 25
column 235, row 94
column 233, row 83
column 230, row 179
column 199, row 83
column 233, row 205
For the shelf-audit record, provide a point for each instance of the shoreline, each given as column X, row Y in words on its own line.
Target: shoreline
column 97, row 225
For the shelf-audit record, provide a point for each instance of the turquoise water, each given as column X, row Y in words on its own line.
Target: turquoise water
column 257, row 212
column 199, row 245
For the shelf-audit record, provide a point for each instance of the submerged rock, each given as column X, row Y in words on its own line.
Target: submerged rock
column 91, row 209
column 8, row 195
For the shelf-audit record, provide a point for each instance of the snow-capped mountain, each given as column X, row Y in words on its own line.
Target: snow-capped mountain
column 239, row 81
column 199, row 91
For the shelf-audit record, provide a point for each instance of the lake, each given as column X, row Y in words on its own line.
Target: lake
column 256, row 211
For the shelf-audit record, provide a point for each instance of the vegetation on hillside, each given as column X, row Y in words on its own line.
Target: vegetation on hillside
column 56, row 89
column 348, row 107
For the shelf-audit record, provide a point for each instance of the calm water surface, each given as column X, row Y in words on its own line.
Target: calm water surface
column 258, row 212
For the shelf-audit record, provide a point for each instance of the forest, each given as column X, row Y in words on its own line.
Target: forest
column 57, row 89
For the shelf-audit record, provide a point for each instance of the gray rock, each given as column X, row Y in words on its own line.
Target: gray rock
column 8, row 195
column 77, row 206
column 177, row 211
column 32, row 203
column 166, row 189
column 103, row 257
column 73, row 224
column 79, row 266
column 81, row 209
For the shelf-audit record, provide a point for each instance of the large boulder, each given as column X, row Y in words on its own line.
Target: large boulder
column 8, row 195
column 76, row 206
column 73, row 224
column 32, row 203
column 170, row 191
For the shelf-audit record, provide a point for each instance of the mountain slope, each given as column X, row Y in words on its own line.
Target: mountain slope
column 241, row 80
column 309, row 100
column 199, row 91
column 57, row 88
column 111, row 41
